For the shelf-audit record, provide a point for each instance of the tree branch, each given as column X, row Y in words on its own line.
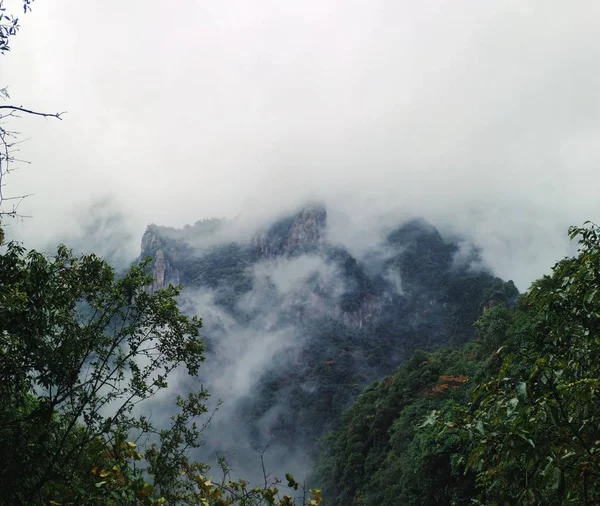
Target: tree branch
column 35, row 113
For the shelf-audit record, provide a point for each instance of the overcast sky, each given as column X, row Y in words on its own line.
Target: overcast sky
column 481, row 115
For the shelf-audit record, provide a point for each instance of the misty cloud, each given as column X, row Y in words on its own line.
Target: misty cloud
column 242, row 349
column 481, row 115
column 262, row 336
column 289, row 274
column 468, row 256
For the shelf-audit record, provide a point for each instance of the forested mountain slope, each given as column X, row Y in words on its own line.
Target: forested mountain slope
column 296, row 325
column 511, row 418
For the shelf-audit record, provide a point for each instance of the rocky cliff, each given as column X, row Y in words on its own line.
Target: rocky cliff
column 163, row 256
column 291, row 235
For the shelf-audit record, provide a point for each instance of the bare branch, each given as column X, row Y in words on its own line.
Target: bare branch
column 262, row 461
column 36, row 113
column 9, row 144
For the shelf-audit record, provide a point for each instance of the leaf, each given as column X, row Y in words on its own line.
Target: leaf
column 291, row 481
column 429, row 420
column 559, row 481
column 554, row 415
column 512, row 405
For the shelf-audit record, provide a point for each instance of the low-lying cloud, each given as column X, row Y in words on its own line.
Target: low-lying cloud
column 481, row 116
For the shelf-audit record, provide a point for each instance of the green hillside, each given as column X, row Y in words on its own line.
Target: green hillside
column 513, row 418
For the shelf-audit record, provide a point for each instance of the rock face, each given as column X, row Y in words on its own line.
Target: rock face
column 301, row 233
column 307, row 230
column 163, row 271
column 370, row 308
column 416, row 252
column 150, row 241
column 292, row 235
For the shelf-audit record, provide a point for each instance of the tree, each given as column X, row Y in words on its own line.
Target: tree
column 9, row 24
column 9, row 139
column 80, row 351
column 532, row 433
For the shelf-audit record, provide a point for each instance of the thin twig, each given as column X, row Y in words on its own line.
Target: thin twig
column 35, row 113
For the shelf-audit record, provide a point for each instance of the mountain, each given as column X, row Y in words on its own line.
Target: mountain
column 509, row 418
column 296, row 325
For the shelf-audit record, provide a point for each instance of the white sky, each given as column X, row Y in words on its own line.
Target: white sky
column 483, row 116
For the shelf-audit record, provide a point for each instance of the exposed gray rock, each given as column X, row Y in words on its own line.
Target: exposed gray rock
column 370, row 308
column 163, row 272
column 307, row 228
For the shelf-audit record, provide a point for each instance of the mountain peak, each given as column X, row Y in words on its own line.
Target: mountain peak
column 299, row 232
column 308, row 227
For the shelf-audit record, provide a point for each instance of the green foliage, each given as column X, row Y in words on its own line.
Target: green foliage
column 223, row 268
column 380, row 456
column 525, row 428
column 9, row 24
column 535, row 435
column 79, row 351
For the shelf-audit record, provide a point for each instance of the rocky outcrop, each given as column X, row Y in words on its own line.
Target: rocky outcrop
column 308, row 228
column 370, row 308
column 150, row 241
column 163, row 271
column 313, row 307
column 299, row 233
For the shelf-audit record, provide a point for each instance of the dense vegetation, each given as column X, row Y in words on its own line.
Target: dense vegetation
column 513, row 418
